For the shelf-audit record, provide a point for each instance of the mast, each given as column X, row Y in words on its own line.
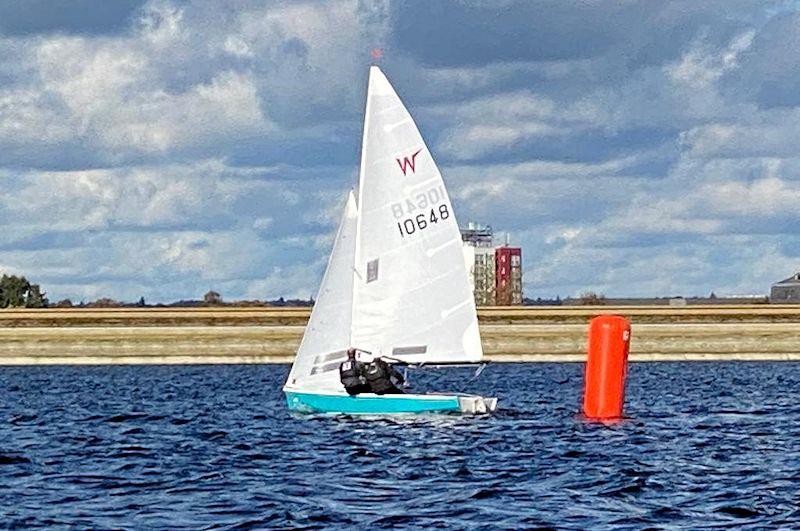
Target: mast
column 359, row 194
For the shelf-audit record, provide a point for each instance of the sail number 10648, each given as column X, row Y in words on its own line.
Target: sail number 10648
column 422, row 221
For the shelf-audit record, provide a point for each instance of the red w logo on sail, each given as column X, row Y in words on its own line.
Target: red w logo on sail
column 406, row 163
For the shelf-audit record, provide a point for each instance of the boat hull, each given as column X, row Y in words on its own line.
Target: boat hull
column 371, row 404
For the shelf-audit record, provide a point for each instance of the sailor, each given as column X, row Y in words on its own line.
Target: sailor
column 353, row 374
column 384, row 379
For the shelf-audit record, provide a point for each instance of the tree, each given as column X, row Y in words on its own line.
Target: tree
column 104, row 302
column 141, row 303
column 35, row 298
column 590, row 298
column 17, row 292
column 212, row 297
column 12, row 291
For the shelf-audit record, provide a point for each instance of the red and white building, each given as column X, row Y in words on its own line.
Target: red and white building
column 495, row 272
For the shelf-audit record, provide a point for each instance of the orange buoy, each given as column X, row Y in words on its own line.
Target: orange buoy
column 606, row 367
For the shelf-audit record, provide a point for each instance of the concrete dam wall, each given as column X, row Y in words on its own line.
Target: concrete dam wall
column 271, row 335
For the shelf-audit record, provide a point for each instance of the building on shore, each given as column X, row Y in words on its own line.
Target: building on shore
column 786, row 291
column 481, row 267
column 495, row 272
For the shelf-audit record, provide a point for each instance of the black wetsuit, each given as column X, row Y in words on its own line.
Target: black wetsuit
column 352, row 373
column 384, row 379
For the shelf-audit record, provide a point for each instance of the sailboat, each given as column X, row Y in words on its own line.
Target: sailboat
column 396, row 284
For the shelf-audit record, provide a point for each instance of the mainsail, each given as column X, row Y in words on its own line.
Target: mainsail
column 412, row 299
column 327, row 334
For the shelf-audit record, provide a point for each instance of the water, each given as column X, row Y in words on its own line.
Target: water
column 707, row 444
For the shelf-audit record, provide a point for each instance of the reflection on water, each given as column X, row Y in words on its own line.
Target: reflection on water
column 195, row 447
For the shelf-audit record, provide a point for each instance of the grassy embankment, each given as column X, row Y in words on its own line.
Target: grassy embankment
column 271, row 335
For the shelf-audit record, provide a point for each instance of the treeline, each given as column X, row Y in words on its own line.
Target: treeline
column 210, row 299
column 18, row 292
column 590, row 298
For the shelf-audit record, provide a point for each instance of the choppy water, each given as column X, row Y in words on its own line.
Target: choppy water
column 707, row 444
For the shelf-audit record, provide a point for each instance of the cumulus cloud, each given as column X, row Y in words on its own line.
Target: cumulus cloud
column 158, row 230
column 703, row 225
column 701, row 66
column 488, row 125
column 189, row 78
column 108, row 93
column 632, row 148
column 757, row 134
column 159, row 196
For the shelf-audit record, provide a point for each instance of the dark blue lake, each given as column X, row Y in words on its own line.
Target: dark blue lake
column 707, row 444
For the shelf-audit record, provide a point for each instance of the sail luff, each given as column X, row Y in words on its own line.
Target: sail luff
column 356, row 253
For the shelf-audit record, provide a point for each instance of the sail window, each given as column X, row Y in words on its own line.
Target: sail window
column 372, row 270
column 333, row 356
column 405, row 351
column 326, row 368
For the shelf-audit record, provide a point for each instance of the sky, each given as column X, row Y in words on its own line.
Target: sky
column 631, row 148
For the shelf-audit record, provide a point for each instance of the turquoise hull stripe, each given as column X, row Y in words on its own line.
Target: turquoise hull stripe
column 369, row 404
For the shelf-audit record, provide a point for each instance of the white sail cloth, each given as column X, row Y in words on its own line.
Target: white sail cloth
column 327, row 335
column 396, row 284
column 412, row 296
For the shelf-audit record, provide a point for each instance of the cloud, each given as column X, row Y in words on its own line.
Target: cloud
column 501, row 122
column 769, row 68
column 66, row 16
column 176, row 84
column 167, row 231
column 108, row 94
column 165, row 148
column 121, row 197
column 701, row 67
column 764, row 134
column 641, row 33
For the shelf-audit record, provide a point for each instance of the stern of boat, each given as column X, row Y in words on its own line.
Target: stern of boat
column 477, row 405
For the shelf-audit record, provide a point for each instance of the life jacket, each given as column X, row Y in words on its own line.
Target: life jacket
column 351, row 373
column 383, row 379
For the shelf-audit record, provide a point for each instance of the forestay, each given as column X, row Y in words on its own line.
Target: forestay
column 412, row 297
column 327, row 334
